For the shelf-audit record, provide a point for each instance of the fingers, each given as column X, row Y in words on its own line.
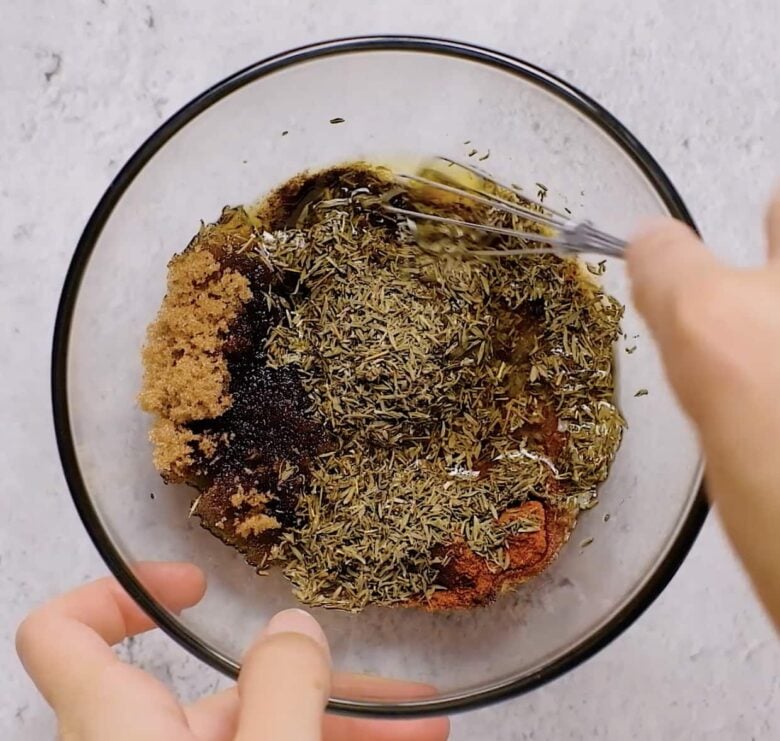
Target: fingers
column 214, row 717
column 359, row 686
column 665, row 259
column 773, row 227
column 64, row 646
column 337, row 728
column 285, row 681
column 366, row 687
column 65, row 643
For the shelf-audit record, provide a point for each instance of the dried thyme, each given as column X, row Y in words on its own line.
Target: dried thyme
column 436, row 375
column 395, row 399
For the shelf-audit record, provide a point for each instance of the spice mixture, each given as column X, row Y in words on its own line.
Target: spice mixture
column 360, row 402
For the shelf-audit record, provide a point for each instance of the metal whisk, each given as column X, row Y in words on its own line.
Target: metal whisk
column 565, row 235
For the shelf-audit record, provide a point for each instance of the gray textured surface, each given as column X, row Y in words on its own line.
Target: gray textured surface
column 83, row 82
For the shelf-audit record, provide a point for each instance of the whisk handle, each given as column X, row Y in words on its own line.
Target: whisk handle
column 582, row 236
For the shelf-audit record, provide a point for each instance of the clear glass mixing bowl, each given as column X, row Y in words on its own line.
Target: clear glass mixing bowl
column 398, row 96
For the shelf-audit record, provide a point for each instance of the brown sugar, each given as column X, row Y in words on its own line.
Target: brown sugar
column 256, row 524
column 185, row 372
column 252, row 497
column 172, row 454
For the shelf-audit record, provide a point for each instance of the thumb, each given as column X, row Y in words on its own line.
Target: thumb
column 665, row 261
column 773, row 227
column 285, row 681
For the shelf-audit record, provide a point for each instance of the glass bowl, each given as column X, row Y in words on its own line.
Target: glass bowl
column 399, row 97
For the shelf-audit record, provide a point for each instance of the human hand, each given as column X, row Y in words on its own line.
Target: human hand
column 284, row 683
column 718, row 329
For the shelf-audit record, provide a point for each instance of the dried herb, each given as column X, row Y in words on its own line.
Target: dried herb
column 598, row 269
column 642, row 392
column 337, row 120
column 454, row 387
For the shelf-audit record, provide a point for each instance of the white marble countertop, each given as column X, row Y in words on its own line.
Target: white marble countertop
column 83, row 82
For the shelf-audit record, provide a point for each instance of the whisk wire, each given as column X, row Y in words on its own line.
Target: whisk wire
column 568, row 235
column 483, row 174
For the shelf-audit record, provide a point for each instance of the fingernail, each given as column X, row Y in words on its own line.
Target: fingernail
column 296, row 621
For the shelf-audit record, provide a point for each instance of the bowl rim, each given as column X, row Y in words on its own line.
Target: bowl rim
column 653, row 585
